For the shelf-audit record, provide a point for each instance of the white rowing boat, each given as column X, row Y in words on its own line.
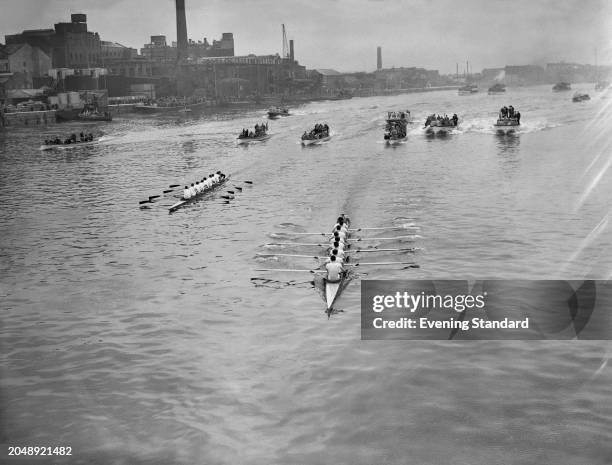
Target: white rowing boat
column 333, row 289
column 205, row 192
column 251, row 140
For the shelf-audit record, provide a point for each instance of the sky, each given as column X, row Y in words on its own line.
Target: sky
column 344, row 34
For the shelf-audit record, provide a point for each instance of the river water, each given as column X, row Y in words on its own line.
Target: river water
column 135, row 336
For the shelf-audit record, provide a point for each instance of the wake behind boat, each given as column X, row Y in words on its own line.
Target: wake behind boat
column 320, row 133
column 435, row 124
column 396, row 127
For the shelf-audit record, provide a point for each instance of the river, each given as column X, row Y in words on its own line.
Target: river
column 136, row 336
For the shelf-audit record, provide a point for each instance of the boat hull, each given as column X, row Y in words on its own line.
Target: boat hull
column 506, row 126
column 307, row 142
column 252, row 140
column 331, row 292
column 68, row 146
column 397, row 141
column 199, row 196
column 439, row 129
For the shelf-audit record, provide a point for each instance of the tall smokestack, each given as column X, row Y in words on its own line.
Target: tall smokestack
column 379, row 58
column 181, row 29
column 291, row 54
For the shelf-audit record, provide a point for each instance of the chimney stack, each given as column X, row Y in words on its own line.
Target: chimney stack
column 291, row 54
column 181, row 30
column 379, row 58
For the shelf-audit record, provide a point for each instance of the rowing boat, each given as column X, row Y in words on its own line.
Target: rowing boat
column 333, row 290
column 205, row 192
column 72, row 145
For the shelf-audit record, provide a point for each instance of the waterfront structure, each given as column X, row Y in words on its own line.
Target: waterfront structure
column 70, row 45
column 23, row 58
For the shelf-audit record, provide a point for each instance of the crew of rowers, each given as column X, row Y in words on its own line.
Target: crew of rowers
column 509, row 112
column 334, row 264
column 71, row 140
column 442, row 120
column 319, row 131
column 260, row 130
column 200, row 186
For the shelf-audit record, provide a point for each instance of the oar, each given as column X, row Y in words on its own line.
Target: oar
column 289, row 255
column 409, row 249
column 174, row 185
column 385, row 228
column 290, row 270
column 380, row 263
column 168, row 190
column 228, row 197
column 413, row 237
column 151, row 197
column 231, row 192
column 239, row 188
column 143, row 201
column 247, row 182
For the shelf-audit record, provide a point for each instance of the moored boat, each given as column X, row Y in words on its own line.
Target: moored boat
column 170, row 105
column 199, row 196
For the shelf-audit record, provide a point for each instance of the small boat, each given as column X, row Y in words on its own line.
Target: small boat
column 320, row 133
column 71, row 145
column 561, row 86
column 468, row 89
column 202, row 194
column 245, row 140
column 497, row 89
column 259, row 135
column 396, row 127
column 435, row 125
column 276, row 112
column 580, row 97
column 506, row 125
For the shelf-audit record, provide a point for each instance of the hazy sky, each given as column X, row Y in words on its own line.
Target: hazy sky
column 344, row 34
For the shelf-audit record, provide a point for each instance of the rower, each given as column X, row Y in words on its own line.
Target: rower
column 216, row 177
column 192, row 190
column 339, row 254
column 198, row 187
column 334, row 270
column 211, row 179
column 186, row 193
column 208, row 182
column 341, row 233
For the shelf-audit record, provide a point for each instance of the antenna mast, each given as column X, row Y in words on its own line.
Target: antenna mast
column 285, row 44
